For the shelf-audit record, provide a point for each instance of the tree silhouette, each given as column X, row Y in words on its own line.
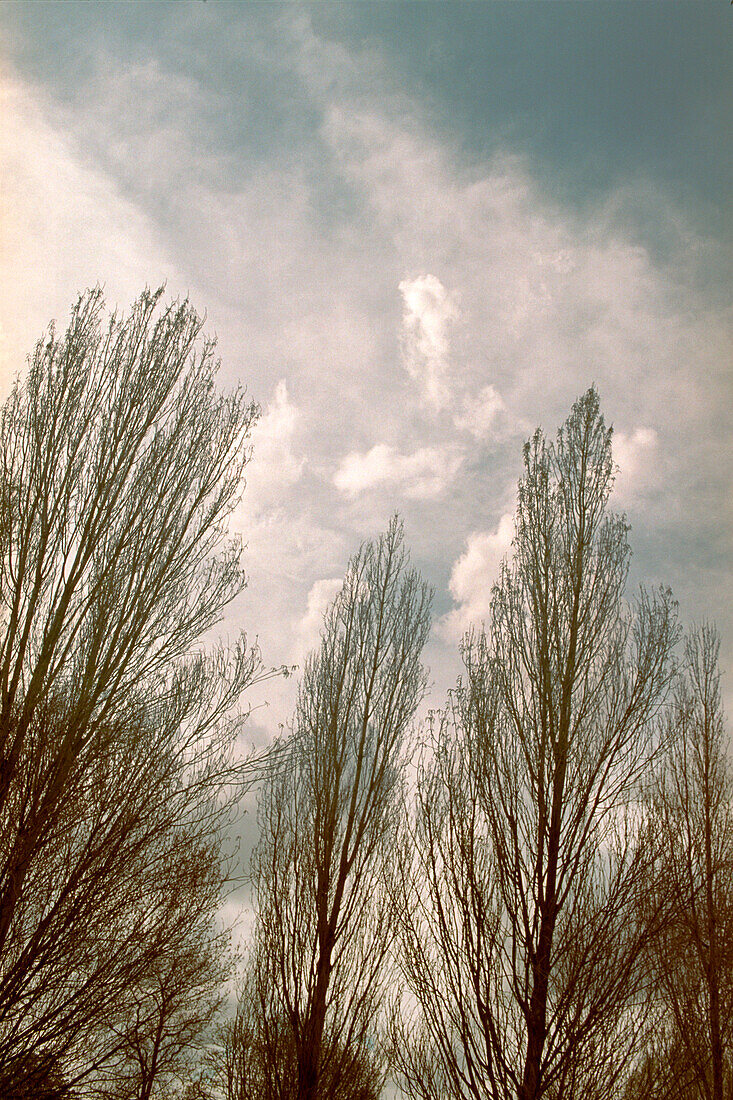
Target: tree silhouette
column 518, row 877
column 327, row 820
column 691, row 808
column 121, row 465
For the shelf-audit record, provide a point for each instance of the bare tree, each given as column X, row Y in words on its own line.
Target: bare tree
column 327, row 817
column 163, row 1041
column 256, row 1058
column 691, row 807
column 519, row 877
column 121, row 465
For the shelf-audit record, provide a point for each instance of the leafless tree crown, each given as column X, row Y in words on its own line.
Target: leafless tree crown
column 689, row 1051
column 547, row 911
column 519, row 874
column 121, row 465
column 328, row 820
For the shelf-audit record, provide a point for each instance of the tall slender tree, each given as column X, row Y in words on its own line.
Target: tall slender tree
column 519, row 877
column 691, row 808
column 328, row 818
column 256, row 1057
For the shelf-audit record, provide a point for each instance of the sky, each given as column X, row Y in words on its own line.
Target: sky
column 419, row 230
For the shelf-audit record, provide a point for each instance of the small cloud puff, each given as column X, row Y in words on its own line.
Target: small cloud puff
column 422, row 474
column 480, row 413
column 320, row 596
column 273, row 467
column 429, row 311
column 636, row 456
column 472, row 577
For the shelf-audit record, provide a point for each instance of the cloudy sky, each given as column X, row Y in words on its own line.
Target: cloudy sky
column 419, row 230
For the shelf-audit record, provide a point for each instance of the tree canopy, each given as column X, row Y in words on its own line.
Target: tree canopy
column 542, row 908
column 121, row 465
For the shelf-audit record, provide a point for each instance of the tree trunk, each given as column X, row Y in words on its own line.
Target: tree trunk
column 537, row 1019
column 309, row 1056
column 712, row 968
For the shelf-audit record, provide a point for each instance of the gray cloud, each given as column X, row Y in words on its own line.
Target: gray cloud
column 337, row 236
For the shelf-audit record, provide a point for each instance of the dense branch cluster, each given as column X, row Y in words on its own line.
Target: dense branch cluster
column 121, row 464
column 530, row 896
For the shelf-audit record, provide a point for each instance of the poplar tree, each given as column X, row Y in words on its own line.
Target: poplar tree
column 328, row 824
column 519, row 876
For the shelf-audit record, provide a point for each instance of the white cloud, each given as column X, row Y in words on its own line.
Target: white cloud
column 309, row 628
column 472, row 577
column 554, row 300
column 299, row 283
column 274, row 467
column 64, row 226
column 429, row 311
column 480, row 414
column 123, row 179
column 422, row 474
column 636, row 455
